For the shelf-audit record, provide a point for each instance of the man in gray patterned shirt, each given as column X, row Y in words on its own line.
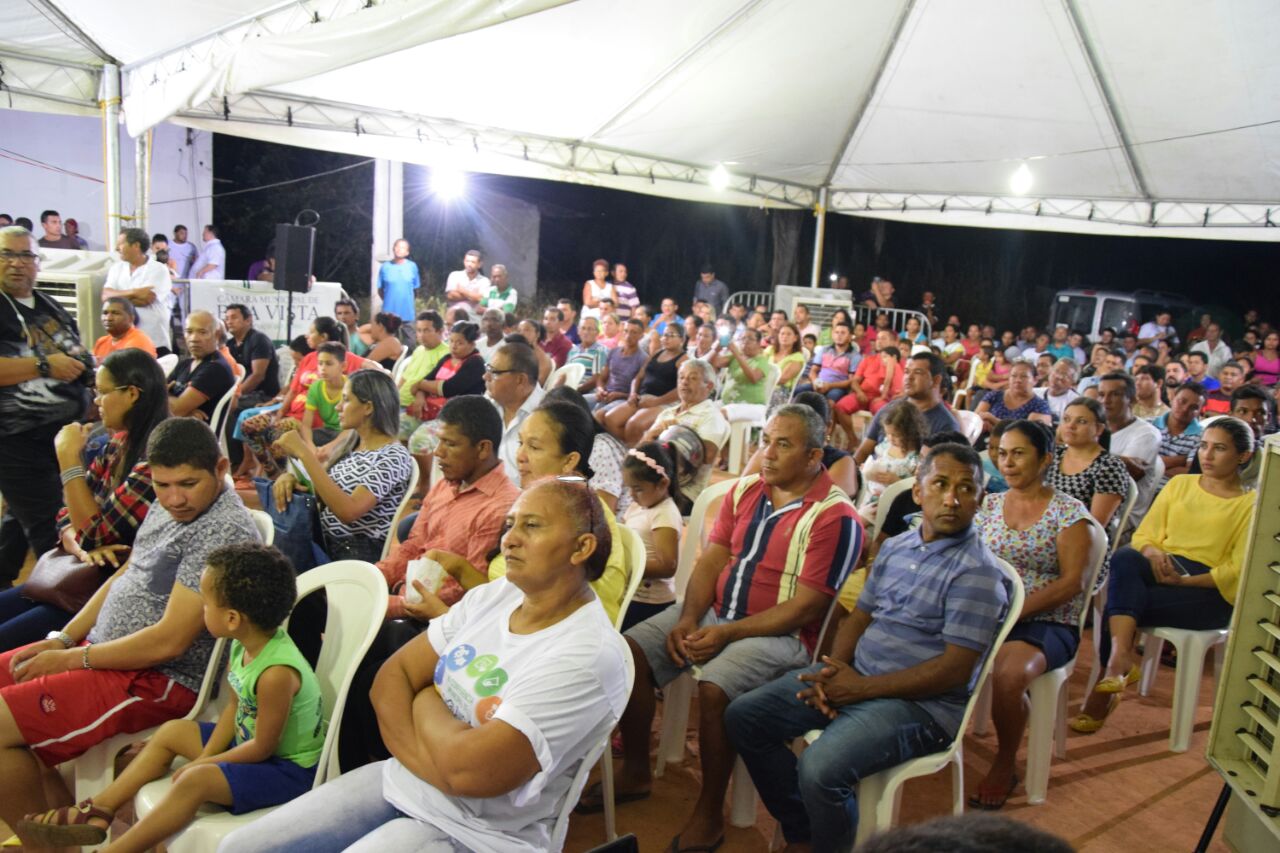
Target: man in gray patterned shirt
column 135, row 655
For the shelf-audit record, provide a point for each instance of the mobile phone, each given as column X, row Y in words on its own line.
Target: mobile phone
column 1178, row 566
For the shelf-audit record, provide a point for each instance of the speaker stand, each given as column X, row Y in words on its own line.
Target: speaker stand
column 288, row 320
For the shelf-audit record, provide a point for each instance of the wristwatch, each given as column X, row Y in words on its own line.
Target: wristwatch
column 62, row 637
column 42, row 365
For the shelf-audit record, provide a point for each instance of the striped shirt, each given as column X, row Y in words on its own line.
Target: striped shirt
column 121, row 509
column 814, row 541
column 923, row 596
column 1185, row 444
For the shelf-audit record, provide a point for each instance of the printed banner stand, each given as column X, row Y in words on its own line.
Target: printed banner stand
column 270, row 307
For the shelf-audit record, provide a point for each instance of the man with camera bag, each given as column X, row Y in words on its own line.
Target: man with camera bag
column 45, row 374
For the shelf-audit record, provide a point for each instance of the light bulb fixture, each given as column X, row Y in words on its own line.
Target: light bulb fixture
column 719, row 177
column 1021, row 180
column 447, row 182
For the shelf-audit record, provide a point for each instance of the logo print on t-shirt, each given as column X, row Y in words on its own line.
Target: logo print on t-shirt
column 461, row 656
column 439, row 676
column 491, row 683
column 486, row 708
column 481, row 665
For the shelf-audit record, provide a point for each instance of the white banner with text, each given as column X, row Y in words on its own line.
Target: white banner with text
column 270, row 307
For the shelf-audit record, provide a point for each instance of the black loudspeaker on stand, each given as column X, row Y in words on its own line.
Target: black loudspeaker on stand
column 295, row 246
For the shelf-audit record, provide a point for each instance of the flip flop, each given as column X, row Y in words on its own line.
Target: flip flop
column 977, row 803
column 592, row 800
column 674, row 846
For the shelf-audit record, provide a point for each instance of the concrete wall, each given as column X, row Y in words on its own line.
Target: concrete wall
column 181, row 173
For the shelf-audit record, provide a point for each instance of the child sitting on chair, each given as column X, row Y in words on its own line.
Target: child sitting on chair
column 266, row 744
column 895, row 457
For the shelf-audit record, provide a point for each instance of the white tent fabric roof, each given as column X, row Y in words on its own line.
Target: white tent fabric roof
column 1148, row 117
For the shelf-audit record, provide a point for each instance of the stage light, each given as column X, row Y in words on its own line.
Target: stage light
column 719, row 177
column 1021, row 181
column 833, row 277
column 448, row 182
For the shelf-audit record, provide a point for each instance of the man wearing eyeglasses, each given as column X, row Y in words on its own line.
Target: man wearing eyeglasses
column 42, row 387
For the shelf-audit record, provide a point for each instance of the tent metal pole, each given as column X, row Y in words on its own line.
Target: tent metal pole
column 142, row 181
column 820, row 211
column 110, row 106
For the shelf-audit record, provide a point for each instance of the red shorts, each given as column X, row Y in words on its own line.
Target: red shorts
column 60, row 716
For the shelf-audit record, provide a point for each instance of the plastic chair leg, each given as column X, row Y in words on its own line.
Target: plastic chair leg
column 1060, row 725
column 982, row 711
column 1040, row 733
column 677, row 697
column 870, row 794
column 742, row 803
column 1186, row 690
column 606, row 795
column 957, row 782
column 1152, row 646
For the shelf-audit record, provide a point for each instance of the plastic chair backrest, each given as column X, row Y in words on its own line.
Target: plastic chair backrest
column 1126, row 507
column 357, row 599
column 168, row 362
column 771, row 374
column 266, row 529
column 694, row 531
column 633, row 548
column 1099, row 549
column 398, row 367
column 970, row 424
column 218, row 422
column 887, row 498
column 572, row 373
column 404, row 504
column 561, row 827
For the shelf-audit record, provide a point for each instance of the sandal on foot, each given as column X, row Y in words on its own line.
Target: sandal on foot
column 976, row 801
column 1087, row 725
column 65, row 827
column 1117, row 683
column 674, row 846
column 592, row 800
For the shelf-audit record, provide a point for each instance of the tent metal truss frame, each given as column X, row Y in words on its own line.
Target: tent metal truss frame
column 31, row 76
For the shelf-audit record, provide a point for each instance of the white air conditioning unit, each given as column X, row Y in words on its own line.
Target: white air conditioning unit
column 74, row 280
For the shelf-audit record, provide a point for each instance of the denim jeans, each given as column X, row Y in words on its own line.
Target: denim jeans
column 348, row 813
column 1132, row 590
column 813, row 796
column 23, row 621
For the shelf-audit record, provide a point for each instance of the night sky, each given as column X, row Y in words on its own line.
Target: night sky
column 1003, row 276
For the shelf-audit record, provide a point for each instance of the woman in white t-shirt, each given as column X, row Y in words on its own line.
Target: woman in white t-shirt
column 655, row 513
column 490, row 712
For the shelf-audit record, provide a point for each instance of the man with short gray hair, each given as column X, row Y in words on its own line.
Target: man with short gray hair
column 782, row 544
column 145, row 283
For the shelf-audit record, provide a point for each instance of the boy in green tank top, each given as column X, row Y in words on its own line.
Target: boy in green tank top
column 265, row 746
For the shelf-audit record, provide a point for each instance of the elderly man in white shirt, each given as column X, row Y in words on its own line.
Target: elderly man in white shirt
column 1214, row 348
column 142, row 281
column 511, row 384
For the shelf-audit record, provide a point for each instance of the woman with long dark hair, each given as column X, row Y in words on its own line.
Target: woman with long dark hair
column 386, row 345
column 105, row 501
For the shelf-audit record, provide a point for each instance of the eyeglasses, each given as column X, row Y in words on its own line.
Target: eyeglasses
column 18, row 257
column 577, row 479
column 489, row 371
column 99, row 394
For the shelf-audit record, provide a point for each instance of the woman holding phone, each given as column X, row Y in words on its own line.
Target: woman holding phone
column 1182, row 568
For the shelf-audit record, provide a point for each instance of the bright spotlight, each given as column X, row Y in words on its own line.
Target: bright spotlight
column 833, row 277
column 1021, row 181
column 719, row 178
column 448, row 182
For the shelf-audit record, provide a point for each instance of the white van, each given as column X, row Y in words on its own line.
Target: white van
column 1091, row 311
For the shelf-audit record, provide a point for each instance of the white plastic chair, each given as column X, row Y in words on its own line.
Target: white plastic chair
column 887, row 497
column 266, row 528
column 633, row 548
column 970, row 424
column 1047, row 727
column 572, row 374
column 95, row 768
column 397, row 369
column 600, row 753
column 357, row 595
column 404, row 505
column 1191, row 647
column 218, row 423
column 739, row 430
column 168, row 362
column 880, row 793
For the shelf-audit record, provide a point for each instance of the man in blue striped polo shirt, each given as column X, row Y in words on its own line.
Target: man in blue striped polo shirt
column 926, row 619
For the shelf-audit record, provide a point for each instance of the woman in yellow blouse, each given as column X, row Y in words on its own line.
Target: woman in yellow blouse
column 1182, row 568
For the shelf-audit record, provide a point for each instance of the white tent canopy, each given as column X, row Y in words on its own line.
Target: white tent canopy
column 1153, row 117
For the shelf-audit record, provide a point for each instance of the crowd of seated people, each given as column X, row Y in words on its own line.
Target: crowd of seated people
column 524, row 515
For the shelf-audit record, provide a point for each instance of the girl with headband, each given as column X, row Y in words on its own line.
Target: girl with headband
column 649, row 472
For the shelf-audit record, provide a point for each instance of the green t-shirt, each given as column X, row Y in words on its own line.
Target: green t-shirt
column 416, row 368
column 504, row 301
column 303, row 735
column 324, row 405
column 798, row 356
column 741, row 389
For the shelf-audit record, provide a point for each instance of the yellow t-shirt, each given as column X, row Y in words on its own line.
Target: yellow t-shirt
column 1188, row 521
column 610, row 586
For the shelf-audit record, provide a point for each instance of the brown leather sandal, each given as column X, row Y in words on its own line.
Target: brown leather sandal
column 65, row 827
